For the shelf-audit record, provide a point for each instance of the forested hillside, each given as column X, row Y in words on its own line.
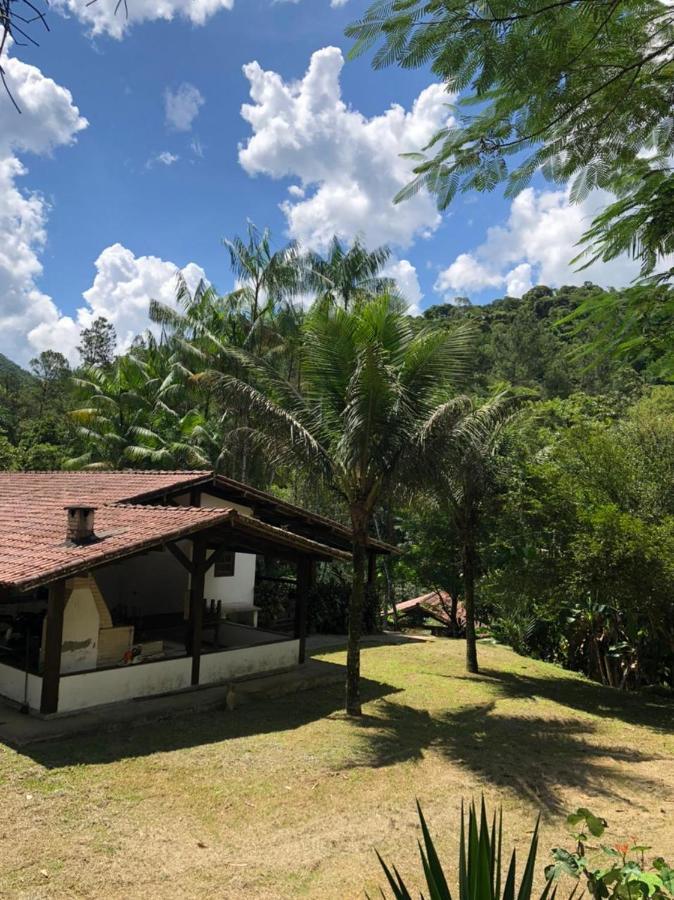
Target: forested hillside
column 556, row 342
column 532, row 342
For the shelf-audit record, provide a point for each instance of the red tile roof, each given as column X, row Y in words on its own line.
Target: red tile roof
column 128, row 486
column 273, row 509
column 98, row 488
column 33, row 547
column 435, row 606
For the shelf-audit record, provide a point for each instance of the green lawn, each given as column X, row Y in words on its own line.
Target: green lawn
column 287, row 798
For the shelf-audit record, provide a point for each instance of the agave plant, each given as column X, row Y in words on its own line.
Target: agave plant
column 480, row 864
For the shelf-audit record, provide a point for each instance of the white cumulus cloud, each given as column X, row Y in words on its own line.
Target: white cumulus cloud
column 30, row 321
column 103, row 17
column 182, row 106
column 405, row 276
column 535, row 246
column 49, row 119
column 121, row 292
column 349, row 166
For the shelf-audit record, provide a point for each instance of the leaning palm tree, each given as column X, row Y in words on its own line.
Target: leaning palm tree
column 347, row 273
column 372, row 386
column 464, row 481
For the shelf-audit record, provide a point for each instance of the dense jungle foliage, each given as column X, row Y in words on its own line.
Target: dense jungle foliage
column 563, row 511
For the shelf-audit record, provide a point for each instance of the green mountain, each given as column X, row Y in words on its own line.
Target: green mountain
column 11, row 371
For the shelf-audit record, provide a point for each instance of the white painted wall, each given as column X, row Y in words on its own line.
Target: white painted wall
column 123, row 683
column 238, row 590
column 230, row 664
column 81, row 622
column 212, row 502
column 145, row 680
column 13, row 682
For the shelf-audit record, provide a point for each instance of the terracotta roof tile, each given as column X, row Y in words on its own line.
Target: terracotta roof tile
column 105, row 487
column 33, row 543
column 33, row 547
column 99, row 488
column 436, row 606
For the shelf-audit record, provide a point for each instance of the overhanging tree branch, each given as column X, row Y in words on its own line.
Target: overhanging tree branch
column 18, row 18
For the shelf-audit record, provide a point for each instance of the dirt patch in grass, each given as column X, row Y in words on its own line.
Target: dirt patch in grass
column 288, row 798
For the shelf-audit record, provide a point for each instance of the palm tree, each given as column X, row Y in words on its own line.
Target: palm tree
column 373, row 389
column 201, row 330
column 118, row 403
column 346, row 274
column 199, row 313
column 464, row 481
column 137, row 412
column 265, row 278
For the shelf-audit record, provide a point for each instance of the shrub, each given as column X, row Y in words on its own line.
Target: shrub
column 274, row 601
column 328, row 606
column 618, row 872
column 8, row 455
column 329, row 609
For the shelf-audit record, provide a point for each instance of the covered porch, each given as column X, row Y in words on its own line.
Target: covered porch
column 151, row 622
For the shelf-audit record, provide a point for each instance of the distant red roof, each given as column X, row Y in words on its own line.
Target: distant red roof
column 435, row 604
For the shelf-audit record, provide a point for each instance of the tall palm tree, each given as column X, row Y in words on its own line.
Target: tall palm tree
column 372, row 388
column 347, row 273
column 199, row 313
column 464, row 481
column 265, row 278
column 137, row 412
column 202, row 329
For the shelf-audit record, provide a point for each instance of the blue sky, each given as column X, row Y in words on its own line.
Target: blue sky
column 108, row 208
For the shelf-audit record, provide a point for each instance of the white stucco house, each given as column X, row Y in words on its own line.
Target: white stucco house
column 117, row 585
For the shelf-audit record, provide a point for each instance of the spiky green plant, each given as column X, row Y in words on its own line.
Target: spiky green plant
column 480, row 875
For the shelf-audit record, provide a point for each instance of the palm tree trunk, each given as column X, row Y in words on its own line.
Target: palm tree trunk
column 469, row 600
column 353, row 702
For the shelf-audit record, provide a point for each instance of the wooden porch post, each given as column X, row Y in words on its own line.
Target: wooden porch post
column 53, row 640
column 305, row 579
column 197, row 603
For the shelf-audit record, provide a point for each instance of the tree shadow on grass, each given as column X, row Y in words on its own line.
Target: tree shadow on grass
column 197, row 728
column 578, row 694
column 535, row 756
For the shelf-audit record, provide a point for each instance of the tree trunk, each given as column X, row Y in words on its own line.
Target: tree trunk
column 353, row 704
column 469, row 600
column 389, row 537
column 453, row 614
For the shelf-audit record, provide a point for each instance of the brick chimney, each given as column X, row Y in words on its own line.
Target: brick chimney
column 80, row 524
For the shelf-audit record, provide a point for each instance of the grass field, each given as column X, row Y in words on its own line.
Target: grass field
column 287, row 798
